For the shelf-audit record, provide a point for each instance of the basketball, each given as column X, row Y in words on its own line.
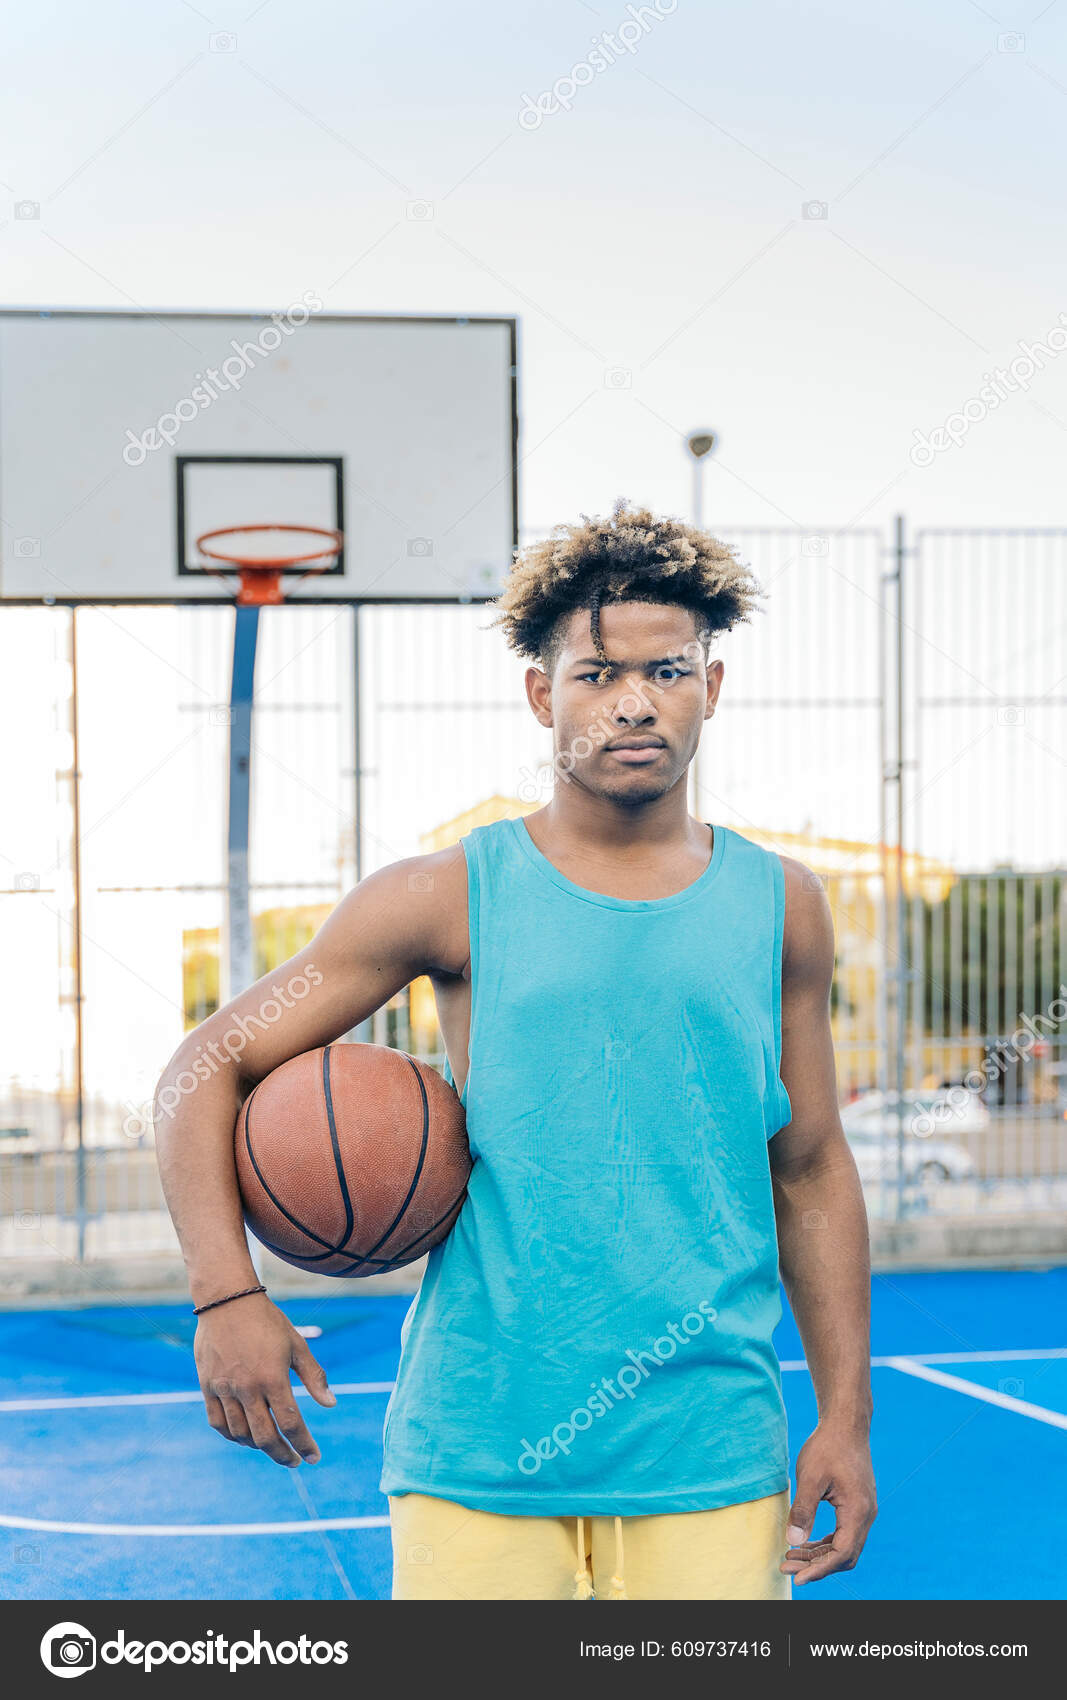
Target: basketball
column 352, row 1160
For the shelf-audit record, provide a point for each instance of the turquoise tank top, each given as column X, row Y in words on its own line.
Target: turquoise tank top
column 593, row 1338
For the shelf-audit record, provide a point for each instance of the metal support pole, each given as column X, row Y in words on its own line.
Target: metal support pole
column 900, row 1026
column 699, row 444
column 81, row 1205
column 363, row 1033
column 240, row 958
column 240, row 965
column 885, row 780
column 698, row 493
column 357, row 748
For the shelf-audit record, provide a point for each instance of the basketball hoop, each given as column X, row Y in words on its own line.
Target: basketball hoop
column 262, row 553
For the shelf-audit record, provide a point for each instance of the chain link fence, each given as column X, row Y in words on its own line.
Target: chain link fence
column 894, row 717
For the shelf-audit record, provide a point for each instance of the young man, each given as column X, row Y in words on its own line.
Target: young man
column 637, row 1004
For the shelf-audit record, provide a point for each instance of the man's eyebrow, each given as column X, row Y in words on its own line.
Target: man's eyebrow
column 647, row 666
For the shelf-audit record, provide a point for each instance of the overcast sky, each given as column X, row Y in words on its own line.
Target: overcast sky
column 652, row 238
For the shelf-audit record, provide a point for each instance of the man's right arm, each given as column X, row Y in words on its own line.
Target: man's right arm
column 385, row 933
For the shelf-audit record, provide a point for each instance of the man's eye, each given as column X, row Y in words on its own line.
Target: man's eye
column 674, row 672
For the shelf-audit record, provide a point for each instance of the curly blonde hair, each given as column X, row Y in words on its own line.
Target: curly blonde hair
column 633, row 556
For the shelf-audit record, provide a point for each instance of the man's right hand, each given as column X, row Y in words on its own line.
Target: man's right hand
column 244, row 1352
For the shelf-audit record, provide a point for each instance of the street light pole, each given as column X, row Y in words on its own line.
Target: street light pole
column 699, row 445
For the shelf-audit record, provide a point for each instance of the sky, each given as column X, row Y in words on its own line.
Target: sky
column 653, row 237
column 816, row 231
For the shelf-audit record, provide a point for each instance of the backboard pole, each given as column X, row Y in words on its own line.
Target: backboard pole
column 240, row 969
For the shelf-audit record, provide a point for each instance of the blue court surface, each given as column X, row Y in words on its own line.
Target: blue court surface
column 112, row 1486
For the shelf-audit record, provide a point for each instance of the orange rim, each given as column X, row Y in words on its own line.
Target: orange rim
column 276, row 562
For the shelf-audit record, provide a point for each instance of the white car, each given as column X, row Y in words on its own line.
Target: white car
column 937, row 1114
column 872, row 1125
column 925, row 1161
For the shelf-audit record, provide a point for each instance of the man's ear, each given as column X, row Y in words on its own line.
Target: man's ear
column 716, row 669
column 539, row 695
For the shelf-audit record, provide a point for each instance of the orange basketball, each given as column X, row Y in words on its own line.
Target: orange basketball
column 352, row 1160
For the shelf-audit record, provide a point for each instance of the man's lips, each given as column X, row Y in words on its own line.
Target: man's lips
column 636, row 751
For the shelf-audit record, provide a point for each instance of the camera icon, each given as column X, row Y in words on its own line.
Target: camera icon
column 420, row 1555
column 813, row 882
column 27, row 1555
column 814, row 1219
column 419, row 211
column 68, row 1649
column 1011, row 42
column 27, row 1219
column 221, row 717
column 222, row 42
column 27, row 882
column 420, row 882
column 617, row 1050
column 26, row 548
column 818, row 547
column 1012, row 1386
column 618, row 378
column 420, row 547
column 815, row 209
column 1011, row 715
column 27, row 209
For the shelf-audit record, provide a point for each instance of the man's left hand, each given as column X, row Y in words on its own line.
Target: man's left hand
column 835, row 1465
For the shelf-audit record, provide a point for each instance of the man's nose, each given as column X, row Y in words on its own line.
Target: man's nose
column 635, row 706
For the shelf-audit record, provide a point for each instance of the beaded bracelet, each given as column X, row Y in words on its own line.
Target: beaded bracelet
column 198, row 1310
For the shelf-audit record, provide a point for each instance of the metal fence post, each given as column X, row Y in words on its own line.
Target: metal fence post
column 81, row 1205
column 900, row 1025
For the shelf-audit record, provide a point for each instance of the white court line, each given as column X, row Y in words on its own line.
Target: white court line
column 919, row 1366
column 100, row 1401
column 1009, row 1357
column 43, row 1525
column 974, row 1390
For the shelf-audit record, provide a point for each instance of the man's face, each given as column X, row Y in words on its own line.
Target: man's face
column 632, row 737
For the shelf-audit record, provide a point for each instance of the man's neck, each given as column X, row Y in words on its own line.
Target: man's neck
column 580, row 823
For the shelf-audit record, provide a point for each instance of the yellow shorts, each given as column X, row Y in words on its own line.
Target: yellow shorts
column 444, row 1551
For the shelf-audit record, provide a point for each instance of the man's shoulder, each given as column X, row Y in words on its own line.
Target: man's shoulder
column 808, row 928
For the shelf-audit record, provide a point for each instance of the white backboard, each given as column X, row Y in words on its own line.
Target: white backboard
column 124, row 436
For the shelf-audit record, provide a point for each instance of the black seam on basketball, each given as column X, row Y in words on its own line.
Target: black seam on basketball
column 342, row 1178
column 311, row 1257
column 403, row 1257
column 389, row 1263
column 423, row 1148
column 456, row 1202
column 381, row 1265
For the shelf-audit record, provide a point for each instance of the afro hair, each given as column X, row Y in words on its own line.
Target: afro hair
column 631, row 557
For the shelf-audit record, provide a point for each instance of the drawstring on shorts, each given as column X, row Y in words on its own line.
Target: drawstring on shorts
column 583, row 1580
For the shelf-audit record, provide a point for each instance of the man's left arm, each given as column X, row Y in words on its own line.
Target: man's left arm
column 823, row 1244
